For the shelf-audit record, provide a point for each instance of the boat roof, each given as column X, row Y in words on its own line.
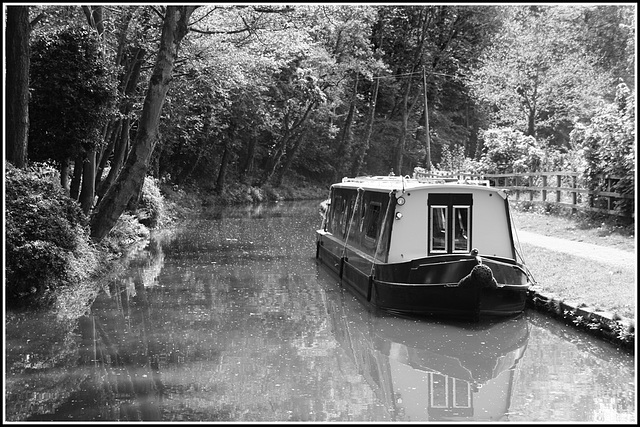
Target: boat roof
column 403, row 183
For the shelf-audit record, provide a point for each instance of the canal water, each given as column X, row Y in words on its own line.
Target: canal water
column 229, row 318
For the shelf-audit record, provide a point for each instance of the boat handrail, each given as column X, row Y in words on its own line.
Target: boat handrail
column 381, row 179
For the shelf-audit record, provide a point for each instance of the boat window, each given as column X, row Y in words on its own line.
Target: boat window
column 438, row 219
column 371, row 220
column 336, row 213
column 439, row 390
column 347, row 216
column 461, row 229
column 450, row 221
column 461, row 393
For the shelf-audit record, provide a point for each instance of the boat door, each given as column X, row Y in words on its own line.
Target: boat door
column 449, row 228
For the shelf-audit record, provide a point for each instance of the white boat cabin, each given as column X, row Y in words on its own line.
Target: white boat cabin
column 396, row 219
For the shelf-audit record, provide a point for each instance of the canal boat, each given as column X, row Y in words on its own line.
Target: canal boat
column 424, row 247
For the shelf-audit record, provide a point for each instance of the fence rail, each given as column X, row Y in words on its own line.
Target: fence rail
column 559, row 188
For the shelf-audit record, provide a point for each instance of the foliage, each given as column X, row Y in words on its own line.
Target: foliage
column 610, row 32
column 608, row 145
column 537, row 76
column 454, row 159
column 73, row 92
column 506, row 150
column 263, row 95
column 46, row 238
column 151, row 210
column 124, row 233
column 444, row 42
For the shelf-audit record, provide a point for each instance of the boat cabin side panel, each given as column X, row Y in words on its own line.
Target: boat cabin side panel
column 363, row 219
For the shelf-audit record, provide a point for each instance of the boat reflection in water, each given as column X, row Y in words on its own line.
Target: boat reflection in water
column 432, row 371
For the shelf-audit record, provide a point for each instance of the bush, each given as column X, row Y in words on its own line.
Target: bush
column 125, row 232
column 46, row 238
column 608, row 143
column 507, row 151
column 151, row 209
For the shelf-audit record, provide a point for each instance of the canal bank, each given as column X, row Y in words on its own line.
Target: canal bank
column 598, row 322
column 618, row 330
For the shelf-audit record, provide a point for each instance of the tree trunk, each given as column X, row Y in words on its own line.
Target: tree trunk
column 74, row 191
column 122, row 146
column 222, row 173
column 289, row 161
column 399, row 148
column 17, row 85
column 426, row 136
column 121, row 136
column 344, row 147
column 531, row 123
column 113, row 135
column 87, row 194
column 131, row 177
column 64, row 175
column 247, row 166
column 359, row 158
column 274, row 161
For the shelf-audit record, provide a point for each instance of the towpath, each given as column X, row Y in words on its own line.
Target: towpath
column 611, row 256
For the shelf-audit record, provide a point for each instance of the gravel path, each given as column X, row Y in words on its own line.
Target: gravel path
column 602, row 254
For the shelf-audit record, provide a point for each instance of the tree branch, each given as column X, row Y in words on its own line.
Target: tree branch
column 36, row 20
column 285, row 9
column 243, row 30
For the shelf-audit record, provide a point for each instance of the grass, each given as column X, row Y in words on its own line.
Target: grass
column 572, row 278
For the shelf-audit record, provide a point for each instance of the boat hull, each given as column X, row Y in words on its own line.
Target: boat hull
column 460, row 286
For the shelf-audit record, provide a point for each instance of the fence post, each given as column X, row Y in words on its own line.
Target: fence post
column 608, row 191
column 558, row 185
column 574, row 194
column 544, row 191
column 531, row 186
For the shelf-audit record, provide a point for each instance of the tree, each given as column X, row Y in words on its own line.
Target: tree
column 17, row 85
column 608, row 144
column 609, row 32
column 536, row 77
column 131, row 177
column 73, row 95
column 438, row 44
column 129, row 54
column 508, row 151
column 344, row 33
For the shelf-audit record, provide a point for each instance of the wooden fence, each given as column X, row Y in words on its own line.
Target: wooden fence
column 558, row 188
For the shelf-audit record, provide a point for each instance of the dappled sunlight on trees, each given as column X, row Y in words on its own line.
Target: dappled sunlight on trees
column 267, row 96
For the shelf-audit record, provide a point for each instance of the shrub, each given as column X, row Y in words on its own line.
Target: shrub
column 151, row 209
column 608, row 143
column 506, row 150
column 125, row 232
column 45, row 230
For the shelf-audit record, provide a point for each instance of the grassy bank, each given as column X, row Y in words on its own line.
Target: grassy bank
column 573, row 278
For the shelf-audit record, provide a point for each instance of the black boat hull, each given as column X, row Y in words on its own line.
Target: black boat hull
column 462, row 286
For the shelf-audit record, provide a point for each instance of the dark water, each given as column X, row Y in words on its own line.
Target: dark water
column 230, row 319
